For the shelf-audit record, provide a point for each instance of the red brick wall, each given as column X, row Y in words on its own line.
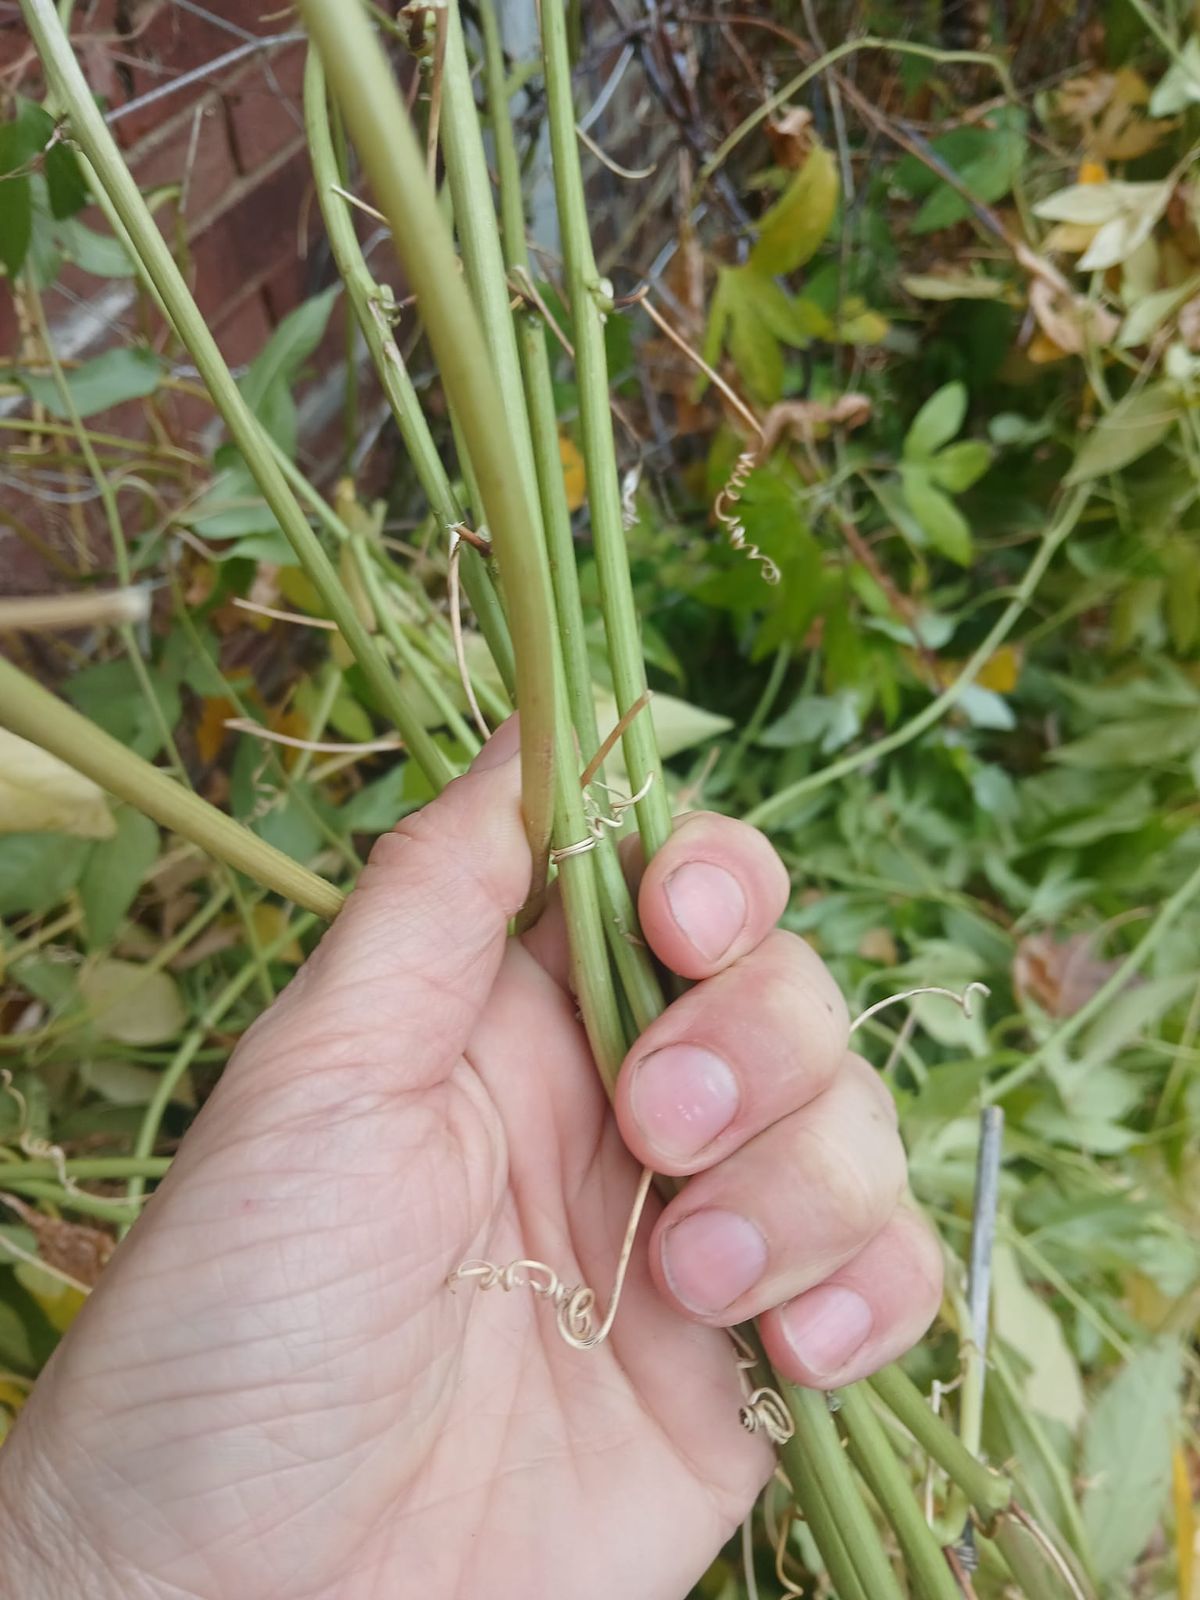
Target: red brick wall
column 244, row 222
column 232, row 138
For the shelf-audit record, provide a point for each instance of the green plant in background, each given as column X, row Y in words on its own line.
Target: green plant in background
column 967, row 711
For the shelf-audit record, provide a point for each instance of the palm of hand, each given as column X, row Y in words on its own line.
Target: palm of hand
column 289, row 1313
column 275, row 1395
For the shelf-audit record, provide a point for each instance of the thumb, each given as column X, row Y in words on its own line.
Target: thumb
column 414, row 953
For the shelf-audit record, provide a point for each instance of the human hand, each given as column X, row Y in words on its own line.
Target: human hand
column 273, row 1394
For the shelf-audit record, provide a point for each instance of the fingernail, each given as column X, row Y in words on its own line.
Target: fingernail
column 501, row 747
column 825, row 1327
column 712, row 1257
column 708, row 906
column 683, row 1097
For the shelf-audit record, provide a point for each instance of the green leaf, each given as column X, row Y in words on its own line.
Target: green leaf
column 41, row 794
column 266, row 387
column 816, row 722
column 131, row 1004
column 752, row 344
column 67, row 186
column 1131, row 1014
column 1130, row 430
column 38, row 870
column 380, row 805
column 98, row 253
column 937, row 422
column 1127, row 1458
column 111, row 695
column 940, row 519
column 128, row 373
column 16, row 201
column 122, row 1083
column 114, row 875
column 959, row 466
column 1180, row 87
column 987, row 160
column 290, row 826
column 1148, row 314
column 796, row 226
column 1137, row 742
column 678, row 726
column 1051, row 1384
column 752, row 315
column 232, row 507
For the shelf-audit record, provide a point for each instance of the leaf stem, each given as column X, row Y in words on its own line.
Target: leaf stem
column 26, row 708
column 777, row 806
column 590, row 301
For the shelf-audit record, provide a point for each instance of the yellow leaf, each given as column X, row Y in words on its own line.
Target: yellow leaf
column 795, row 227
column 1042, row 350
column 130, row 1004
column 574, row 472
column 269, row 923
column 211, row 731
column 59, row 1302
column 12, row 1397
column 1001, row 670
column 41, row 794
column 1072, row 238
column 300, row 592
column 1185, row 1524
column 998, row 673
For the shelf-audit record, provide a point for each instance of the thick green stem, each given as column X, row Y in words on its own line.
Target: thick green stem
column 814, row 1459
column 872, row 1453
column 483, row 258
column 486, row 275
column 366, row 91
column 26, row 708
column 987, row 1491
column 829, row 1539
column 372, row 313
column 89, row 129
column 590, row 299
column 539, row 396
column 636, row 972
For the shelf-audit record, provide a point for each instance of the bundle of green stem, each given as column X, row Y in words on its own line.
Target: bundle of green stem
column 851, row 1458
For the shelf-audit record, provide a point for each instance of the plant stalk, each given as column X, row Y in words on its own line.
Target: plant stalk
column 987, row 1491
column 362, row 81
column 368, row 303
column 872, row 1453
column 590, row 301
column 89, row 129
column 26, row 708
column 636, row 972
column 816, row 1463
